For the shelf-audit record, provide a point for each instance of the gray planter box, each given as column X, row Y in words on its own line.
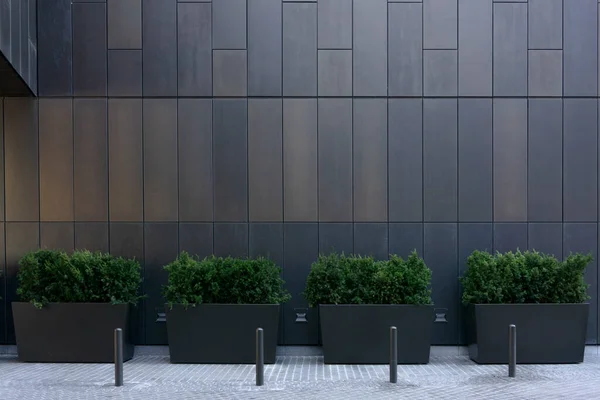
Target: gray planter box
column 221, row 333
column 70, row 332
column 360, row 334
column 546, row 333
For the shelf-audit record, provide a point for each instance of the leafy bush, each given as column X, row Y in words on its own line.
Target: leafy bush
column 224, row 281
column 49, row 276
column 528, row 277
column 340, row 279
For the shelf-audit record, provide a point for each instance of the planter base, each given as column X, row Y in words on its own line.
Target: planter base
column 221, row 333
column 360, row 334
column 70, row 332
column 546, row 333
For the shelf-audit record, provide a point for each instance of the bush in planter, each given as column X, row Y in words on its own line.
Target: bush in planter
column 52, row 276
column 78, row 301
column 360, row 298
column 215, row 305
column 542, row 296
column 524, row 277
column 341, row 279
column 220, row 280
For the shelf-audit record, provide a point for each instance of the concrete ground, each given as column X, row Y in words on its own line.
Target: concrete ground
column 448, row 376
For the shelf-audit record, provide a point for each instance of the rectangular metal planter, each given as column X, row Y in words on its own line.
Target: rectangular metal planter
column 71, row 332
column 221, row 333
column 546, row 333
column 360, row 334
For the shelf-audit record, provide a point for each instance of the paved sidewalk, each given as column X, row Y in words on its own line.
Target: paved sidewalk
column 297, row 377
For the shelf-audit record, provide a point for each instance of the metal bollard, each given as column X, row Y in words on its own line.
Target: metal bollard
column 118, row 357
column 260, row 357
column 393, row 354
column 512, row 351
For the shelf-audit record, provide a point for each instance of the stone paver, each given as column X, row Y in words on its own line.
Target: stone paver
column 298, row 377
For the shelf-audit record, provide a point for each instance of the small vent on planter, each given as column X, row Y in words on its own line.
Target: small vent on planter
column 301, row 315
column 440, row 315
column 161, row 316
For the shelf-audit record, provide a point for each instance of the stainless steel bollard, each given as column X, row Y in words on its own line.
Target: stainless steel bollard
column 512, row 351
column 260, row 357
column 118, row 357
column 393, row 354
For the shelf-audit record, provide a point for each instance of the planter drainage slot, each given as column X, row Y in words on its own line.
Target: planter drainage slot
column 260, row 357
column 301, row 315
column 512, row 351
column 393, row 354
column 118, row 357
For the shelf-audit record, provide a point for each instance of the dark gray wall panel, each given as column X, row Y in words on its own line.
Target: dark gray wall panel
column 127, row 240
column 5, row 26
column 160, row 47
column 545, row 73
column 583, row 238
column 264, row 48
column 90, row 169
column 266, row 240
column 194, row 44
column 405, row 159
column 440, row 166
column 299, row 49
column 15, row 31
column 404, row 238
column 580, row 47
column 369, row 48
column 124, row 73
column 160, row 160
column 160, row 248
column 369, row 160
column 580, row 150
column 21, row 159
column 301, row 246
column 55, row 48
column 124, row 24
column 194, row 133
column 475, row 43
column 510, row 49
column 371, row 239
column 229, row 76
column 91, row 236
column 440, row 253
column 471, row 237
column 265, row 178
column 545, row 24
column 300, row 159
column 229, row 24
column 56, row 159
column 335, row 160
column 196, row 239
column 57, row 235
column 125, row 159
column 230, row 160
column 335, row 73
column 2, row 216
column 405, row 46
column 89, row 49
column 440, row 73
column 510, row 237
column 335, row 24
column 231, row 240
column 510, row 160
column 336, row 238
column 440, row 22
column 20, row 239
column 475, row 160
column 546, row 238
column 545, row 152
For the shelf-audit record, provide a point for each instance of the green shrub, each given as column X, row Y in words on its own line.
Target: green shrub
column 224, row 281
column 340, row 279
column 528, row 277
column 52, row 276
